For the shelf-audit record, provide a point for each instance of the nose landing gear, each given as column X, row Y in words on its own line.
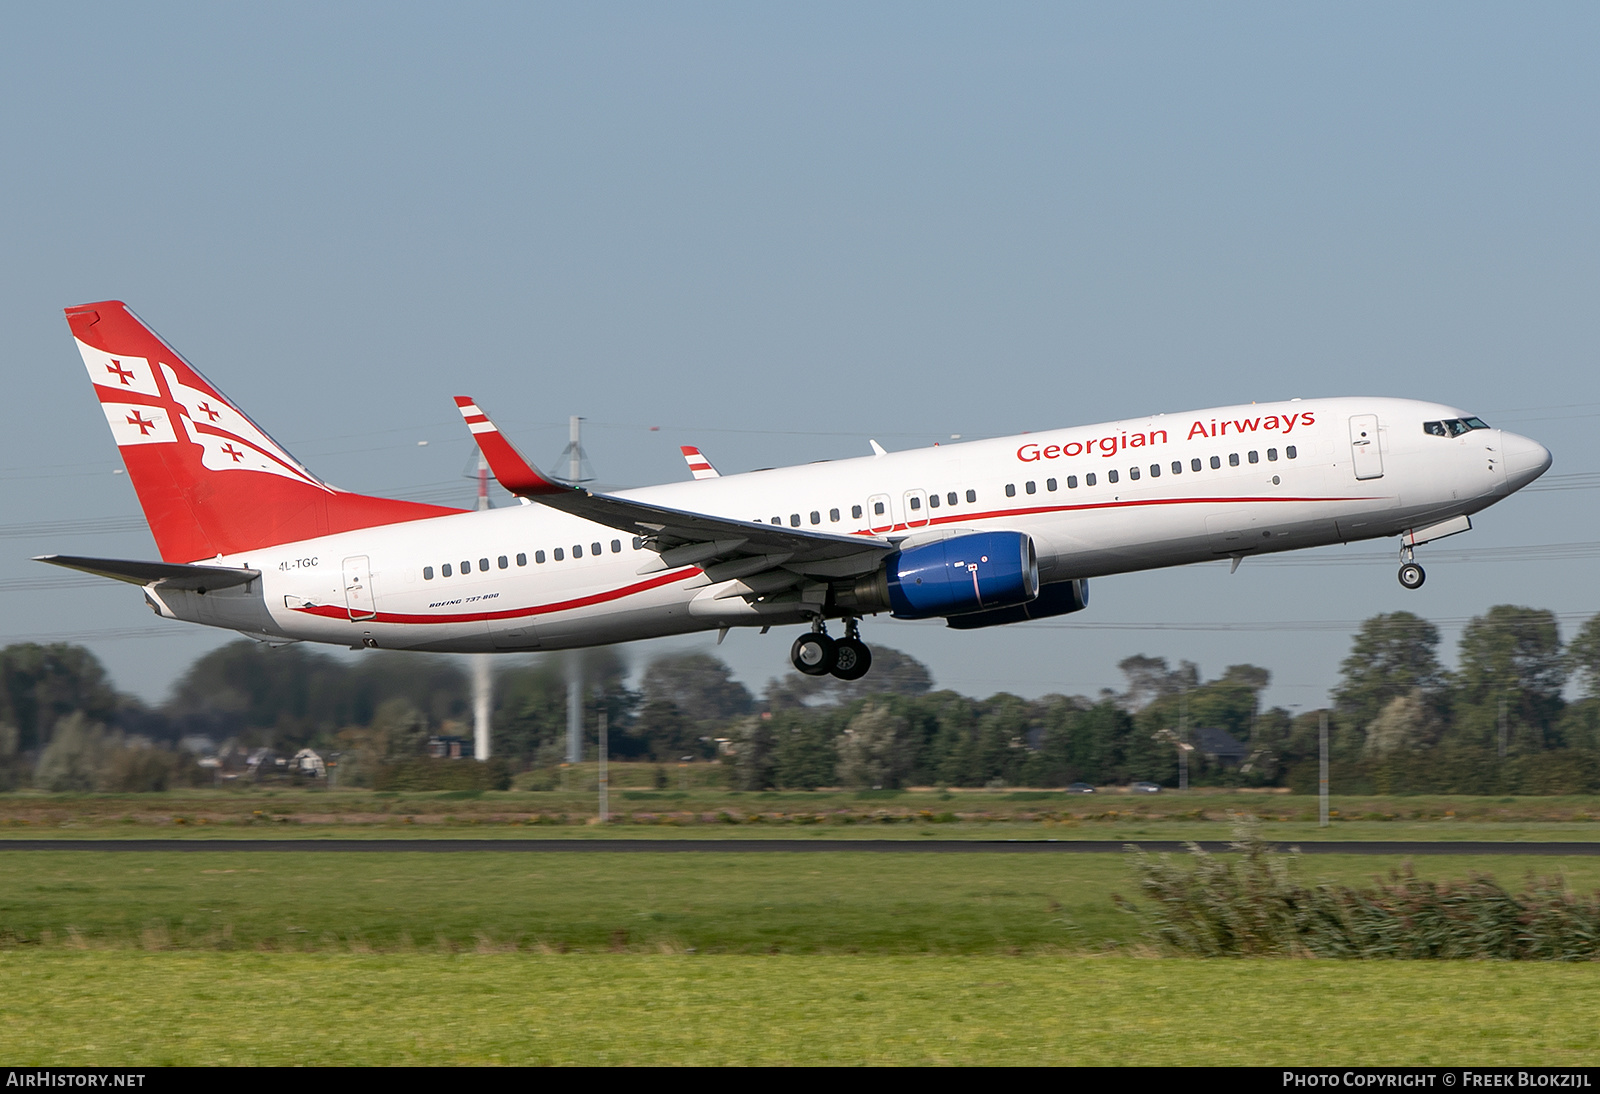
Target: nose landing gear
column 1411, row 575
column 815, row 654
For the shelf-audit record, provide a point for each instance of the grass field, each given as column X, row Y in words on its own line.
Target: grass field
column 822, row 903
column 703, row 811
column 208, row 957
column 163, row 1008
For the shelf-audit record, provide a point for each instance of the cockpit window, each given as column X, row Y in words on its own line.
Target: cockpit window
column 1453, row 427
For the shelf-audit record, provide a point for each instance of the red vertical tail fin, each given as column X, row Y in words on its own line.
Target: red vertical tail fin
column 211, row 481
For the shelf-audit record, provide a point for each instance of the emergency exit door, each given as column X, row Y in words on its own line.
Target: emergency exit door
column 358, row 587
column 1364, row 449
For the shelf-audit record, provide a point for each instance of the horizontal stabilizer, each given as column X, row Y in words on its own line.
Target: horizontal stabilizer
column 170, row 575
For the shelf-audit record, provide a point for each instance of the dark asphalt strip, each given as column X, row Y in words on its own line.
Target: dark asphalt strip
column 881, row 846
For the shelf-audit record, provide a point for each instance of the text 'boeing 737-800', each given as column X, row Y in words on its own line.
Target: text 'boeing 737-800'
column 980, row 534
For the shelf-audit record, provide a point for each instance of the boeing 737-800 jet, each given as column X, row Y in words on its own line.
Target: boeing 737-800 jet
column 980, row 534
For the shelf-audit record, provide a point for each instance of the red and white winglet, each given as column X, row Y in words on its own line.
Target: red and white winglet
column 699, row 466
column 511, row 469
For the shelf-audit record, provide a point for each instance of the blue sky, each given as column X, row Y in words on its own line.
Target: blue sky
column 776, row 232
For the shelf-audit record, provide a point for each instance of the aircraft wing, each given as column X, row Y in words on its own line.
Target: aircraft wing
column 725, row 549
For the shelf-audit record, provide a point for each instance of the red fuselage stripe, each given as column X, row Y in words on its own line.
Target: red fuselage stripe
column 332, row 611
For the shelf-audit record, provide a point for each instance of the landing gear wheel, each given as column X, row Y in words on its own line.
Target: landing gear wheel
column 1412, row 576
column 852, row 658
column 813, row 654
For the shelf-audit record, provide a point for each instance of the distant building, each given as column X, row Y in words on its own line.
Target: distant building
column 1219, row 746
column 308, row 763
column 450, row 748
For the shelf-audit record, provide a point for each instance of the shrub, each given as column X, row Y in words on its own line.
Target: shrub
column 1254, row 906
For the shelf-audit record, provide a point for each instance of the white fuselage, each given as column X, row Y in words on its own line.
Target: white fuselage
column 1096, row 500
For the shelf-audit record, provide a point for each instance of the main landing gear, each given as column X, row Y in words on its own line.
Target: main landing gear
column 1411, row 575
column 815, row 654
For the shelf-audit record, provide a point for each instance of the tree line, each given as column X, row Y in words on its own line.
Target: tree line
column 1499, row 722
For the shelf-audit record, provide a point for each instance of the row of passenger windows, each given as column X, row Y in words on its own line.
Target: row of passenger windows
column 879, row 508
column 1090, row 479
column 559, row 554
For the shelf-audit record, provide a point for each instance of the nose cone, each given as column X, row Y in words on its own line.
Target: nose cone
column 1525, row 460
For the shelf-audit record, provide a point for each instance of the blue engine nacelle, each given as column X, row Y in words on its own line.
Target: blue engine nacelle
column 1057, row 599
column 980, row 572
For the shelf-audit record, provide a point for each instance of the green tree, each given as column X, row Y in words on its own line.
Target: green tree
column 530, row 719
column 1151, row 679
column 78, row 750
column 1393, row 655
column 1512, row 654
column 39, row 685
column 1583, row 657
column 875, row 749
column 289, row 697
column 687, row 701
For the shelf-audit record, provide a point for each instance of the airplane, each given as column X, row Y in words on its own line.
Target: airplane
column 982, row 533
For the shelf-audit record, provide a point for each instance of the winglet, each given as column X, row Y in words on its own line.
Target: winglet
column 699, row 466
column 511, row 469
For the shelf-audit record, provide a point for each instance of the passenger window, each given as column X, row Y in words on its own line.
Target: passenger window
column 1133, row 474
column 483, row 565
column 877, row 508
column 638, row 541
column 816, row 517
column 933, row 501
column 778, row 521
column 427, row 573
column 1233, row 459
column 1111, row 476
column 594, row 549
column 855, row 512
column 1255, row 457
column 1032, row 488
column 466, row 567
column 1194, row 465
column 972, row 496
column 538, row 557
column 577, row 550
column 1289, row 452
column 1272, row 455
column 951, row 498
column 522, row 558
column 1216, row 462
column 1177, row 467
column 1072, row 482
column 833, row 515
column 559, row 554
column 1011, row 489
column 794, row 520
column 1050, row 485
column 1155, row 471
column 616, row 546
column 505, row 562
column 916, row 503
column 444, row 571
column 1089, row 479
